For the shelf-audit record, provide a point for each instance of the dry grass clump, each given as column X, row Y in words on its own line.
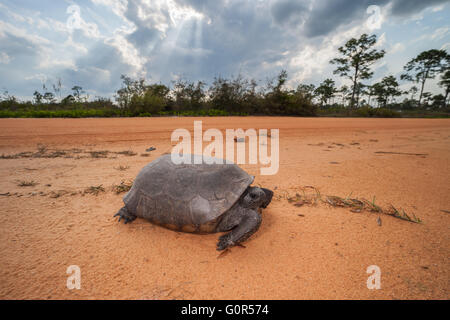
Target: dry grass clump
column 95, row 190
column 7, row 156
column 44, row 152
column 122, row 187
column 122, row 168
column 128, row 153
column 401, row 214
column 354, row 204
column 25, row 183
column 42, row 148
column 99, row 154
column 57, row 194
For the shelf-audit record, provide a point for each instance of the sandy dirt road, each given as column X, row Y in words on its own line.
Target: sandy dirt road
column 306, row 252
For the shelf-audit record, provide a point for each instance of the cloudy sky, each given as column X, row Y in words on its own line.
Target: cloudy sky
column 92, row 42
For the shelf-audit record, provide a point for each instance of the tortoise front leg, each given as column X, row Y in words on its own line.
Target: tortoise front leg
column 125, row 215
column 248, row 225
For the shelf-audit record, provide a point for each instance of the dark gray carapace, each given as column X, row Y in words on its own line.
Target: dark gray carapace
column 198, row 198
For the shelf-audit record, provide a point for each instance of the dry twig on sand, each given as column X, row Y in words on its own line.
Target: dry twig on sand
column 122, row 168
column 404, row 153
column 95, row 190
column 354, row 204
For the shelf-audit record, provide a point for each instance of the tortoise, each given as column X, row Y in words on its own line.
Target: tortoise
column 197, row 198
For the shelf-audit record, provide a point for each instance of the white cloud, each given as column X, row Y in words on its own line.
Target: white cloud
column 6, row 27
column 128, row 52
column 179, row 14
column 15, row 16
column 313, row 60
column 440, row 33
column 117, row 6
column 49, row 62
column 398, row 47
column 69, row 43
column 4, row 58
column 58, row 26
column 39, row 76
column 381, row 41
column 75, row 21
column 438, row 8
column 101, row 75
column 42, row 24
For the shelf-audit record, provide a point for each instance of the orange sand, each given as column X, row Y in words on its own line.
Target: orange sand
column 323, row 254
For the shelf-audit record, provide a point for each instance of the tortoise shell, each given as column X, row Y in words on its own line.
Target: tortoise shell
column 186, row 197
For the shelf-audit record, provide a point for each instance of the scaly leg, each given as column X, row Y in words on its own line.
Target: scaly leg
column 125, row 215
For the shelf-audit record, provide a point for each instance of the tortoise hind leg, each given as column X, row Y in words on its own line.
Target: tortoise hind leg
column 124, row 214
column 248, row 225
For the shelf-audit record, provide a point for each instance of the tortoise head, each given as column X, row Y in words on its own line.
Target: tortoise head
column 257, row 198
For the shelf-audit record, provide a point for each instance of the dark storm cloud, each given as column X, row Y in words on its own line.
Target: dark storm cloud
column 327, row 15
column 146, row 28
column 25, row 53
column 254, row 37
column 236, row 36
column 407, row 7
column 143, row 37
column 20, row 48
column 100, row 69
column 288, row 11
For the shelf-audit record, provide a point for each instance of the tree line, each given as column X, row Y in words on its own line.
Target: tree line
column 241, row 96
column 357, row 57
